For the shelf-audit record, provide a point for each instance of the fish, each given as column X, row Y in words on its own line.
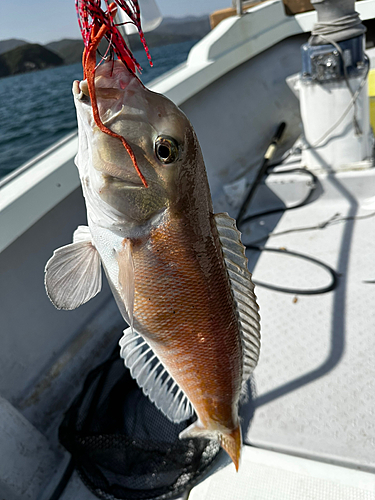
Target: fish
column 177, row 271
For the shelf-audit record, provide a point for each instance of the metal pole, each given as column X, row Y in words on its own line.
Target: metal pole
column 239, row 8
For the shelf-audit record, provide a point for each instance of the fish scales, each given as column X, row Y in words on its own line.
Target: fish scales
column 184, row 308
column 177, row 271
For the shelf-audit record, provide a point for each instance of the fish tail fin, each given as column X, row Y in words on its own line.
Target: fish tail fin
column 231, row 442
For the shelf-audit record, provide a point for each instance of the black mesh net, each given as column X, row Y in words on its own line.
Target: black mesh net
column 123, row 447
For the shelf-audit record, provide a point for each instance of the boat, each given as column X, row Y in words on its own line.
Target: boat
column 308, row 417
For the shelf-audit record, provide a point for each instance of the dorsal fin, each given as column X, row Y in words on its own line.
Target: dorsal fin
column 242, row 289
column 155, row 381
column 73, row 274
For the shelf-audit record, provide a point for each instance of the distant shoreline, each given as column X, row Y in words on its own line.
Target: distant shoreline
column 38, row 109
column 19, row 56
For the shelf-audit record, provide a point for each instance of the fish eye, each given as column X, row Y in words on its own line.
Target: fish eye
column 166, row 149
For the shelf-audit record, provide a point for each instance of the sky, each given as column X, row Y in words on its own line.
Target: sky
column 43, row 21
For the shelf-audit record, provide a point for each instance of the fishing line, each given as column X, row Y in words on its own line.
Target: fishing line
column 335, row 219
column 345, row 112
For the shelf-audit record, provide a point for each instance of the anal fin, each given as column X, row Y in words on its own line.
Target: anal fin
column 155, row 381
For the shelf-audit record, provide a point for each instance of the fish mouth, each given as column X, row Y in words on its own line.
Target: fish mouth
column 78, row 93
column 81, row 91
column 111, row 80
column 126, row 183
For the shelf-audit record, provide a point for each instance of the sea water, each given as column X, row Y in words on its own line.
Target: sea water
column 37, row 109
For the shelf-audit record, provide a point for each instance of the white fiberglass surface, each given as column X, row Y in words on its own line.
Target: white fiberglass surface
column 265, row 475
column 314, row 388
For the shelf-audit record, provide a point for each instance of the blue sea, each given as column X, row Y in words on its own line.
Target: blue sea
column 36, row 109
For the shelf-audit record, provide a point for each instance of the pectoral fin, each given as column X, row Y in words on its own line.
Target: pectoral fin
column 73, row 274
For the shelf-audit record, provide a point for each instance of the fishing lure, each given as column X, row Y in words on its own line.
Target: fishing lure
column 96, row 24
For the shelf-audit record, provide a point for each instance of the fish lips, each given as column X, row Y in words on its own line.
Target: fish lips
column 78, row 93
column 111, row 81
column 81, row 91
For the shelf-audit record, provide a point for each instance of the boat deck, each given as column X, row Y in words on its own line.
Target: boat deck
column 266, row 475
column 314, row 387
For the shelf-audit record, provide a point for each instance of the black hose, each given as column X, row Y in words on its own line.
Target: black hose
column 262, row 171
column 297, row 291
column 265, row 170
column 64, row 480
column 283, row 209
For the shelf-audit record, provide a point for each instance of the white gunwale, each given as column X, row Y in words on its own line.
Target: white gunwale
column 30, row 195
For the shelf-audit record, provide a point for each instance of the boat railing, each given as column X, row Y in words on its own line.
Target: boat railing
column 20, row 170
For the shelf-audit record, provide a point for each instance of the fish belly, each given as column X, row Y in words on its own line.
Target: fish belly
column 184, row 308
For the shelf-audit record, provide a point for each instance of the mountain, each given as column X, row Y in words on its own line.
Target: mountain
column 4, row 70
column 28, row 57
column 174, row 30
column 171, row 30
column 10, row 44
column 19, row 56
column 68, row 49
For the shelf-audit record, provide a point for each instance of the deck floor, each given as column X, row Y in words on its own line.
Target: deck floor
column 314, row 387
column 266, row 475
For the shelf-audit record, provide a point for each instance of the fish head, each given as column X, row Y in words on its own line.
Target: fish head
column 159, row 134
